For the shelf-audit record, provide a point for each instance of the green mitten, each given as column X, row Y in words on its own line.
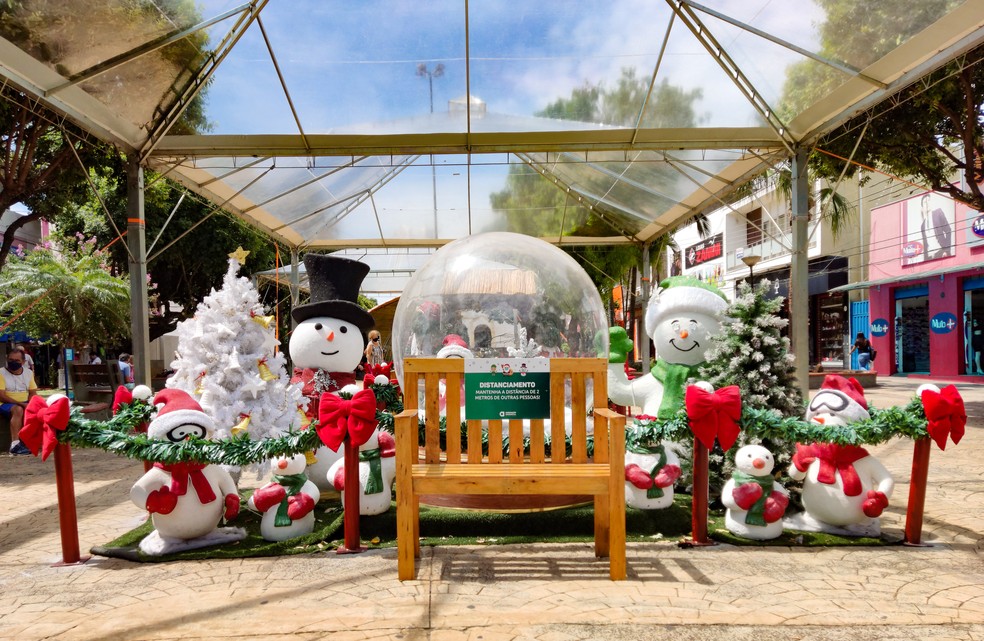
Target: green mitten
column 619, row 345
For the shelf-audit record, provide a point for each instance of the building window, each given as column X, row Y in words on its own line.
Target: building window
column 753, row 227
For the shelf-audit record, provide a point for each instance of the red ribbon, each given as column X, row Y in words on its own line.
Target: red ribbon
column 42, row 422
column 123, row 396
column 714, row 414
column 833, row 458
column 182, row 472
column 945, row 415
column 340, row 419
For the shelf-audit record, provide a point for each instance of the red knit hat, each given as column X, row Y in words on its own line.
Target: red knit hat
column 849, row 386
column 179, row 409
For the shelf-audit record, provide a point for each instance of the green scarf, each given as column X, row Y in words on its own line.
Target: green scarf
column 374, row 485
column 674, row 380
column 653, row 492
column 293, row 484
column 754, row 516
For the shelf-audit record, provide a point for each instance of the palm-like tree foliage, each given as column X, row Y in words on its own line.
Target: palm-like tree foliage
column 66, row 291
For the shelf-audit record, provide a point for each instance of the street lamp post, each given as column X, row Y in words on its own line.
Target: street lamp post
column 436, row 72
column 751, row 261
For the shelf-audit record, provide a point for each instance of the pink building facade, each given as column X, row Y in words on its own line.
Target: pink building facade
column 926, row 274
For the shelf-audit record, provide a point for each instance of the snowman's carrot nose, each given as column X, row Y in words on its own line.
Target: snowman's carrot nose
column 684, row 333
column 330, row 336
column 758, row 464
column 819, row 419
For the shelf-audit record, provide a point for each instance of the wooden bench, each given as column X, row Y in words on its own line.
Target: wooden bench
column 601, row 476
column 93, row 386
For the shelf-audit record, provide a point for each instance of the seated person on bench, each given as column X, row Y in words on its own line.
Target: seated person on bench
column 16, row 389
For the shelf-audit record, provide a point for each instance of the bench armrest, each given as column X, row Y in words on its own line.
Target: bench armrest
column 606, row 412
column 405, row 414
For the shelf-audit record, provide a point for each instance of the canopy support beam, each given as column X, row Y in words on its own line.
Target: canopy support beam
column 295, row 286
column 647, row 277
column 799, row 285
column 136, row 240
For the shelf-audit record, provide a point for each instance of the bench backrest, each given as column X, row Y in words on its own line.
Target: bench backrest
column 86, row 379
column 585, row 380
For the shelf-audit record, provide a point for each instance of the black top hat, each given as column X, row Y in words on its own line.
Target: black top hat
column 335, row 283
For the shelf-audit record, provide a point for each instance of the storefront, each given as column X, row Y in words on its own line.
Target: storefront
column 927, row 295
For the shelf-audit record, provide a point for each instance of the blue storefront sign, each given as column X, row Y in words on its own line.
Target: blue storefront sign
column 943, row 323
column 879, row 327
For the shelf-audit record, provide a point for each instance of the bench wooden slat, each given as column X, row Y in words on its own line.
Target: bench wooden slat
column 474, row 441
column 516, row 442
column 579, row 418
column 456, row 479
column 558, row 435
column 452, row 392
column 432, row 445
column 495, row 441
column 537, row 448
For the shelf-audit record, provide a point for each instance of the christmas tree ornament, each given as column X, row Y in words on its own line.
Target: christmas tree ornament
column 239, row 255
column 264, row 321
column 200, row 384
column 755, row 501
column 845, row 489
column 242, row 425
column 287, row 502
column 310, row 458
column 186, row 500
column 264, row 369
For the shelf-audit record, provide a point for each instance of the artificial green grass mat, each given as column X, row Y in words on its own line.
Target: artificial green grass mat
column 447, row 526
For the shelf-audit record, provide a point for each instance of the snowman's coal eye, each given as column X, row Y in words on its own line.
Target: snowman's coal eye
column 318, row 325
column 343, row 329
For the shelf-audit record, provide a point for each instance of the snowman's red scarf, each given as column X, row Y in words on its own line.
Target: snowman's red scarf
column 181, row 472
column 833, row 458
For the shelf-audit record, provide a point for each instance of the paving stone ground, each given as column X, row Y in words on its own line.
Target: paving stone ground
column 552, row 592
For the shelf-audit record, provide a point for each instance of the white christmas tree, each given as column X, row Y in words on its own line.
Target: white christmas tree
column 227, row 360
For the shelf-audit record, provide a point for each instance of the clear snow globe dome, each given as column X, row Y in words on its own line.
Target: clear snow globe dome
column 499, row 294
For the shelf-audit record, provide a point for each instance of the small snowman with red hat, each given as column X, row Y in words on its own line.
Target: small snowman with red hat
column 328, row 343
column 845, row 489
column 186, row 500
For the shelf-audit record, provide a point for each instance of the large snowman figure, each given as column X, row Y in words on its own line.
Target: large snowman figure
column 328, row 343
column 287, row 501
column 186, row 501
column 845, row 489
column 681, row 318
column 377, row 471
column 755, row 501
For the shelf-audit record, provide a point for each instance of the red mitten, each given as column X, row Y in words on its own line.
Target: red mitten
column 746, row 495
column 232, row 506
column 339, row 480
column 269, row 495
column 875, row 504
column 162, row 501
column 667, row 476
column 803, row 457
column 775, row 507
column 299, row 505
column 638, row 477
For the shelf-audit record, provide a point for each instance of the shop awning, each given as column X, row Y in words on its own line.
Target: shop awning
column 908, row 278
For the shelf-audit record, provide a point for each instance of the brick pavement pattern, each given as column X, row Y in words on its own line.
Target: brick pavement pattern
column 503, row 593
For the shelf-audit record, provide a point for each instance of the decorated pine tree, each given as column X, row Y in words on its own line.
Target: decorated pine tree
column 227, row 361
column 751, row 352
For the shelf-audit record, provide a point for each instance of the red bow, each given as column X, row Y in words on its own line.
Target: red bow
column 338, row 418
column 714, row 414
column 945, row 415
column 181, row 473
column 41, row 424
column 123, row 396
column 833, row 458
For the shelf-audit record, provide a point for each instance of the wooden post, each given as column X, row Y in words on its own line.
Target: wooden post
column 352, row 544
column 917, row 491
column 700, row 496
column 67, row 518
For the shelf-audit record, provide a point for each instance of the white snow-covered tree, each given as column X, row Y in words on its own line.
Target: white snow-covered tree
column 227, row 361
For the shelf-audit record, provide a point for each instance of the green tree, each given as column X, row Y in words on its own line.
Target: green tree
column 38, row 165
column 931, row 131
column 66, row 290
column 187, row 270
column 557, row 213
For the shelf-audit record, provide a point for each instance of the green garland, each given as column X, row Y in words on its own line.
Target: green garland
column 908, row 422
column 117, row 434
